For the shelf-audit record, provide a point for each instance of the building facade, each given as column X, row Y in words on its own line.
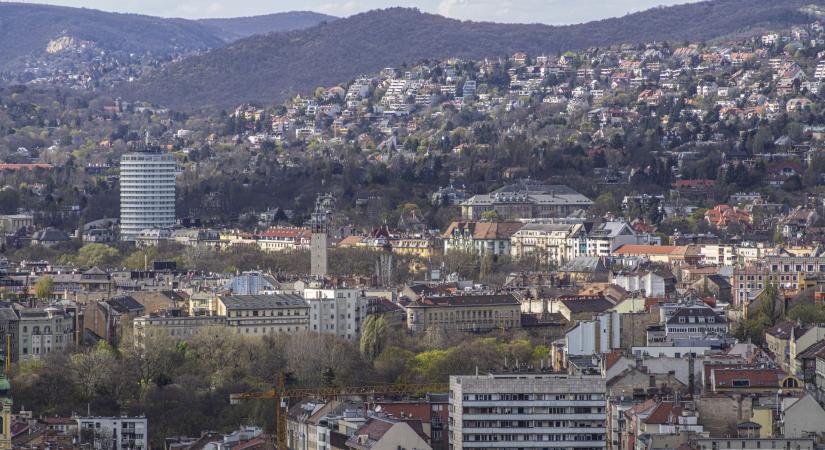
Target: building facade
column 147, row 193
column 464, row 313
column 42, row 331
column 114, row 433
column 264, row 314
column 527, row 411
column 549, row 243
column 336, row 311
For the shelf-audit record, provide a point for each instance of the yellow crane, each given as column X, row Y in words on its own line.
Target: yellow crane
column 281, row 396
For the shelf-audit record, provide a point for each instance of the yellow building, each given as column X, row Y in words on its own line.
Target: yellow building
column 5, row 413
column 764, row 417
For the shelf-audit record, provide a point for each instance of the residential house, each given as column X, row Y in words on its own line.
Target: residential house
column 388, row 434
column 480, row 238
column 553, row 244
column 607, row 237
column 111, row 319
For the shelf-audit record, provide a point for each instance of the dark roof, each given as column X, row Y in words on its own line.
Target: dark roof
column 720, row 281
column 263, row 301
column 466, row 300
column 124, row 304
column 50, row 235
column 818, row 348
column 783, row 330
column 587, row 304
column 8, row 314
column 696, row 311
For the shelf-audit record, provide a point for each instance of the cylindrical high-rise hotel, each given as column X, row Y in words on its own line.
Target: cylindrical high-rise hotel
column 147, row 193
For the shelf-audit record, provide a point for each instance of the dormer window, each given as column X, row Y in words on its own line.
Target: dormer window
column 711, row 319
column 681, row 320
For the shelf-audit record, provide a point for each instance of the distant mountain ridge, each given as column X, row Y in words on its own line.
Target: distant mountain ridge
column 272, row 67
column 231, row 29
column 28, row 29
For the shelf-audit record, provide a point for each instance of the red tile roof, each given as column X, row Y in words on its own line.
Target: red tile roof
column 755, row 378
column 664, row 413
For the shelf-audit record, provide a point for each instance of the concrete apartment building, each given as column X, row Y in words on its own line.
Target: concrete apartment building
column 336, row 311
column 147, row 193
column 116, row 433
column 527, row 411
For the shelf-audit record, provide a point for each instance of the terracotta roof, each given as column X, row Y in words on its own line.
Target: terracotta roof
column 285, row 232
column 484, row 230
column 350, row 241
column 639, row 249
column 664, row 413
column 755, row 377
column 612, row 358
column 25, row 166
column 374, row 429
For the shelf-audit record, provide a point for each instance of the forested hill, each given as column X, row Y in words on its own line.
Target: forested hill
column 241, row 27
column 27, row 29
column 271, row 67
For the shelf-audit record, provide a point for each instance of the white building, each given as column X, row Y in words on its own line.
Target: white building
column 602, row 334
column 605, row 238
column 147, row 193
column 551, row 243
column 114, row 433
column 336, row 311
column 719, row 254
column 652, row 284
column 527, row 411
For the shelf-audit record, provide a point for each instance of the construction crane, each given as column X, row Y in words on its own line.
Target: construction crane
column 281, row 396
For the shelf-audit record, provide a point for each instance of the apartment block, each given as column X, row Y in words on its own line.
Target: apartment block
column 527, row 411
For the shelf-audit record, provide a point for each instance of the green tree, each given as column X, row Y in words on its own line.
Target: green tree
column 373, row 336
column 44, row 287
column 489, row 216
column 95, row 254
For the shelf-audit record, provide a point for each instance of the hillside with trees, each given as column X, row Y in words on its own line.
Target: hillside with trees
column 272, row 67
column 27, row 30
column 235, row 28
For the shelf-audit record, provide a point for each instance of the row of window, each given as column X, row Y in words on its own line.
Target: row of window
column 531, row 397
column 535, row 410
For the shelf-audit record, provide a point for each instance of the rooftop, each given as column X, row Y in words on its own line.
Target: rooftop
column 263, row 301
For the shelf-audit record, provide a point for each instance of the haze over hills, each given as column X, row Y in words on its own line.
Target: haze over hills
column 27, row 29
column 272, row 67
column 240, row 27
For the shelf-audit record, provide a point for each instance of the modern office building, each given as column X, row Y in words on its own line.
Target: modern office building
column 147, row 193
column 540, row 411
